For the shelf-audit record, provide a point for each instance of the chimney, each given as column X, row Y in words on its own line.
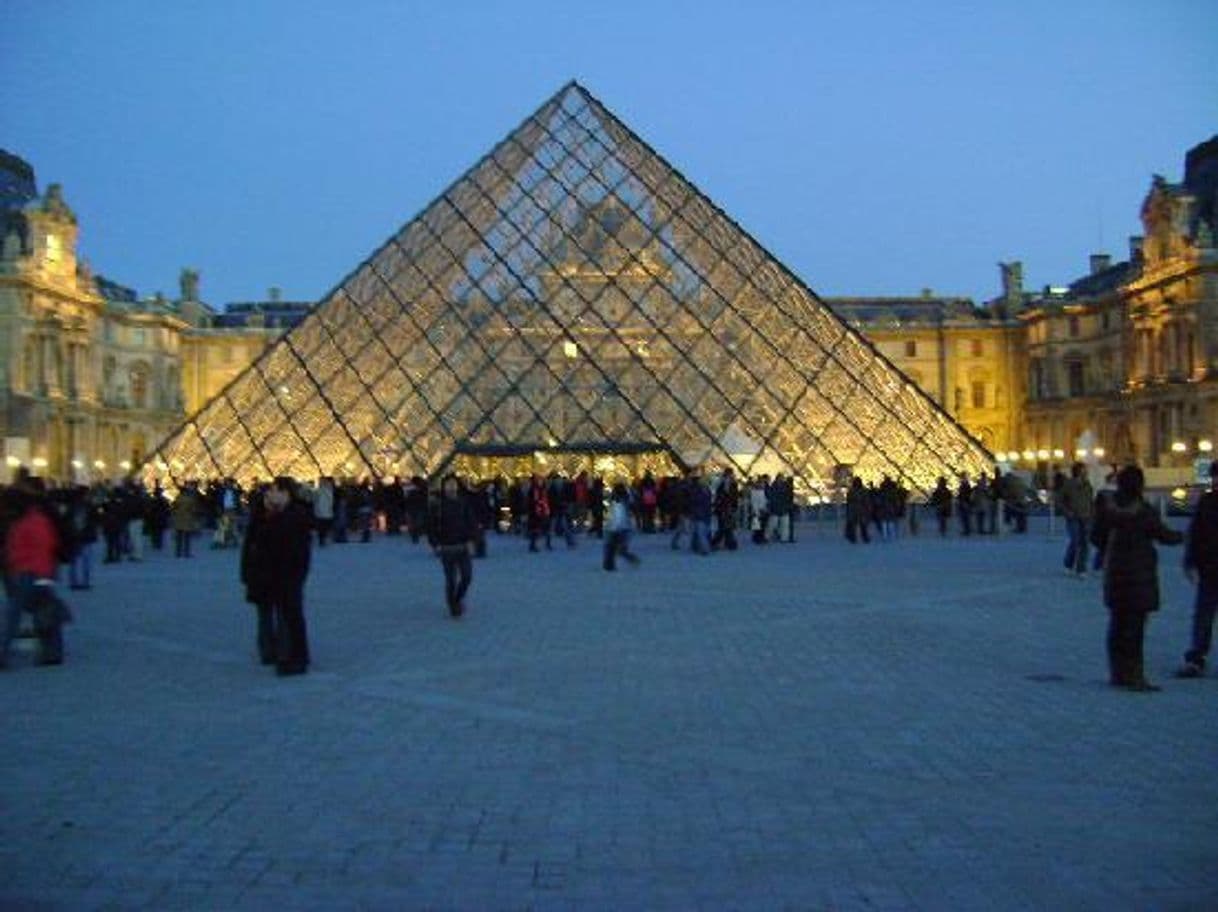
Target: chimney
column 275, row 294
column 1135, row 248
column 1012, row 283
column 1100, row 262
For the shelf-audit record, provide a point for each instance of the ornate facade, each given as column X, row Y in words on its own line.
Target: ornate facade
column 1126, row 358
column 92, row 377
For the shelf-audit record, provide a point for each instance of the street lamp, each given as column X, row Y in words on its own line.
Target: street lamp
column 1179, row 446
column 1059, row 454
column 1205, row 446
column 1028, row 455
column 1099, row 452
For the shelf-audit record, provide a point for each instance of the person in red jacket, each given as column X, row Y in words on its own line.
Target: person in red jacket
column 31, row 556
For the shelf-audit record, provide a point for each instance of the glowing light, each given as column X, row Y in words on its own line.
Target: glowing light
column 99, row 463
column 1042, row 454
column 1059, row 454
column 1205, row 446
column 39, row 463
column 552, row 442
column 1099, row 452
column 1028, row 455
column 125, row 465
column 570, row 349
column 1179, row 446
column 1081, row 453
column 12, row 461
column 77, row 464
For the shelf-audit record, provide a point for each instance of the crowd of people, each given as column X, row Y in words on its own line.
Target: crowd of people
column 275, row 526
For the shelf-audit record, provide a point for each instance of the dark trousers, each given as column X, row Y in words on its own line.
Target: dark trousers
column 1075, row 557
column 266, row 632
column 618, row 543
column 324, row 527
column 724, row 535
column 535, row 532
column 966, row 522
column 1204, row 609
column 1126, row 631
column 856, row 528
column 458, row 574
column 181, row 544
column 943, row 519
column 291, row 634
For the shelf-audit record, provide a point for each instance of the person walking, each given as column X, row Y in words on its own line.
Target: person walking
column 858, row 512
column 31, row 557
column 617, row 529
column 187, row 511
column 323, row 509
column 1077, row 499
column 1201, row 567
column 537, row 511
column 964, row 505
column 83, row 521
column 941, row 500
column 726, row 504
column 701, row 508
column 1129, row 527
column 451, row 531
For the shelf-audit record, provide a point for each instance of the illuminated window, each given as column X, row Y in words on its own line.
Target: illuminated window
column 54, row 248
column 978, row 390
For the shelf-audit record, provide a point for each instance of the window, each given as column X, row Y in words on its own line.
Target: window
column 978, row 391
column 911, row 348
column 978, row 348
column 1074, row 378
column 54, row 248
column 1073, row 327
column 137, row 337
column 139, row 386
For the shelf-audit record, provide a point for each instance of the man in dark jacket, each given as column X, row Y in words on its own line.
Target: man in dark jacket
column 1201, row 566
column 451, row 530
column 1128, row 527
column 274, row 566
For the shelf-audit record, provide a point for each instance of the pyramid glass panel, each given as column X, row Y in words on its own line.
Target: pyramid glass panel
column 571, row 292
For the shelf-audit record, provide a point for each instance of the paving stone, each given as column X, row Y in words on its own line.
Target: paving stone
column 918, row 725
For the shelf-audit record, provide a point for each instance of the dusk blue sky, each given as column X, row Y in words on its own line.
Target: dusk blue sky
column 876, row 147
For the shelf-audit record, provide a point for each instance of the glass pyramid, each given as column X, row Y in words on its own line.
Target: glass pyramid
column 573, row 291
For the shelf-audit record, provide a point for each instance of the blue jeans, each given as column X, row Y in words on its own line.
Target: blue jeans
column 1076, row 552
column 80, row 571
column 701, row 535
column 1204, row 609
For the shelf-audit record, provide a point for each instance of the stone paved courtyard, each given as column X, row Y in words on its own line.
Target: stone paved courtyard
column 922, row 725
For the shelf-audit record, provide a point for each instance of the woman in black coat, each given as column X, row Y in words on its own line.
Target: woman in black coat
column 1127, row 529
column 274, row 566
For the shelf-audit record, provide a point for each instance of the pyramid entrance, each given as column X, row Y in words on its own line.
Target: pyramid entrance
column 611, row 459
column 572, row 286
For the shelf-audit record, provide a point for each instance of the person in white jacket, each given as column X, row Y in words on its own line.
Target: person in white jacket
column 618, row 527
column 323, row 509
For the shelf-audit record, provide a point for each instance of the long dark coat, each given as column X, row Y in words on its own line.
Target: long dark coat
column 275, row 553
column 1127, row 531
